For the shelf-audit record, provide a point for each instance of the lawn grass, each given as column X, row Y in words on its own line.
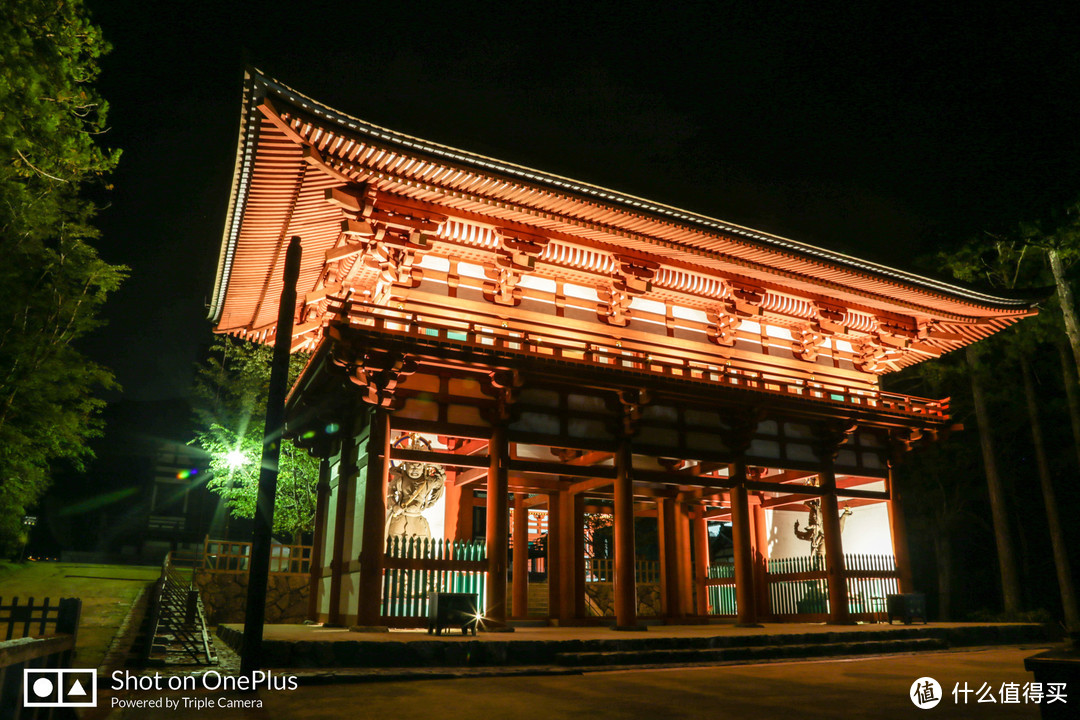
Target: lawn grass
column 107, row 593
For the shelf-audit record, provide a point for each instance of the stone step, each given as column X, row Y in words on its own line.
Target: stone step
column 560, row 647
column 749, row 653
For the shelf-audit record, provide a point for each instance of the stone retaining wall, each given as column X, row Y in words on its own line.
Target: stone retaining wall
column 224, row 596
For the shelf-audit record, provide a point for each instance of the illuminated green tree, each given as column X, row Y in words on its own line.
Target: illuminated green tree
column 52, row 282
column 230, row 391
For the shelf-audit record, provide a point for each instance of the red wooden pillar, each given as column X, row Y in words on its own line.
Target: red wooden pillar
column 318, row 542
column 670, row 605
column 458, row 514
column 625, row 588
column 496, row 528
column 554, row 560
column 760, row 539
column 744, row 561
column 373, row 530
column 684, row 560
column 571, row 549
column 700, row 531
column 346, row 474
column 521, row 557
column 898, row 530
column 834, row 549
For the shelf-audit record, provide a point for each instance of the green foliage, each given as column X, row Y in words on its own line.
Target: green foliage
column 52, row 282
column 230, row 392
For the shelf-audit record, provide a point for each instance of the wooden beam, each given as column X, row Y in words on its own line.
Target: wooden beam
column 557, row 468
column 348, row 249
column 590, row 484
column 439, row 458
column 318, row 294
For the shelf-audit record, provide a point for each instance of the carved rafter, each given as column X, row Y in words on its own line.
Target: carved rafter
column 807, row 341
column 501, row 285
column 377, row 373
column 870, row 355
column 723, row 325
column 503, row 386
column 614, row 306
column 388, row 233
column 830, row 435
column 631, row 403
column 635, row 275
column 745, row 300
column 632, row 277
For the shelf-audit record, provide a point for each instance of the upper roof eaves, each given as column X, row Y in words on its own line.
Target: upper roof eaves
column 261, row 85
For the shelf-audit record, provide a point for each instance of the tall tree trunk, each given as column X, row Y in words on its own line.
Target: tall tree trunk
column 1010, row 583
column 943, row 558
column 1065, row 300
column 1057, row 536
column 1068, row 376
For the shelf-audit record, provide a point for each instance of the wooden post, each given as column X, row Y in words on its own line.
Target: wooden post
column 625, row 588
column 834, row 549
column 760, row 538
column 570, row 544
column 373, row 532
column 684, row 560
column 577, row 552
column 259, row 569
column 346, row 470
column 318, row 542
column 521, row 557
column 458, row 516
column 898, row 530
column 669, row 558
column 553, row 559
column 744, row 561
column 700, row 531
column 495, row 615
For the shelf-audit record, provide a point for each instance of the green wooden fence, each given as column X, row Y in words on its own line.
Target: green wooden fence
column 415, row 566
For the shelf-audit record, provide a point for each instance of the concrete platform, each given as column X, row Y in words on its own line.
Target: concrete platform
column 310, row 646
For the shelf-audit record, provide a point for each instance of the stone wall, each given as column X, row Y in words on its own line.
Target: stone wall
column 224, row 596
column 600, row 599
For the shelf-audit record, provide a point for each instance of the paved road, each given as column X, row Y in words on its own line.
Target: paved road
column 876, row 687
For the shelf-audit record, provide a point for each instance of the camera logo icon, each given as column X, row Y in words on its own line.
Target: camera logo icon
column 63, row 687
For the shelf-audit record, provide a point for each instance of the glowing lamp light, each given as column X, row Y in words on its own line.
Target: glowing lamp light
column 235, row 459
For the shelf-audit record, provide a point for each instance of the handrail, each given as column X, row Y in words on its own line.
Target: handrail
column 630, row 356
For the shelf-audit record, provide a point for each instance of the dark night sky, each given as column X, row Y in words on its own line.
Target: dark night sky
column 877, row 130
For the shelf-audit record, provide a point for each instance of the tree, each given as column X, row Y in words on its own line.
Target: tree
column 230, row 396
column 52, row 282
column 1001, row 261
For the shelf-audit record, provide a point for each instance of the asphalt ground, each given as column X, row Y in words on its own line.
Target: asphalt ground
column 876, row 687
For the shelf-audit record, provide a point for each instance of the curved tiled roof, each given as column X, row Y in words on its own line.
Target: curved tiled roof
column 291, row 149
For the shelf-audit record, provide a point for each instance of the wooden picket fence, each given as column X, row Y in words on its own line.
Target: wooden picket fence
column 32, row 620
column 870, row 578
column 720, row 584
column 414, row 567
column 798, row 587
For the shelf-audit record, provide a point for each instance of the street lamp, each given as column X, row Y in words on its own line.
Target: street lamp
column 28, row 521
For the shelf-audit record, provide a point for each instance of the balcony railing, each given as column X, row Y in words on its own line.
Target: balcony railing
column 579, row 348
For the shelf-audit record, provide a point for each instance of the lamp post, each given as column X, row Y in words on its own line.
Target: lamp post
column 28, row 521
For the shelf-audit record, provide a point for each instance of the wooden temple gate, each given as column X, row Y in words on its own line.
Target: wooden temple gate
column 516, row 338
